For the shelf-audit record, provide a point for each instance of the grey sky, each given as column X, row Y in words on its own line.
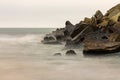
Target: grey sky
column 49, row 13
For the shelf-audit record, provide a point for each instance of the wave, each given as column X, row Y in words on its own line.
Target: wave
column 21, row 38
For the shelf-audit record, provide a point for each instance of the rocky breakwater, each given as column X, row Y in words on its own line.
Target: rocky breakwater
column 100, row 34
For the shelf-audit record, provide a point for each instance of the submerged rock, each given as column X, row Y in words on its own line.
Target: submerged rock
column 70, row 53
column 57, row 54
column 50, row 39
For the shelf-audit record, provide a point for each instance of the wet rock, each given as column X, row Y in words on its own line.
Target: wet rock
column 100, row 48
column 59, row 34
column 56, row 37
column 57, row 54
column 70, row 53
column 50, row 39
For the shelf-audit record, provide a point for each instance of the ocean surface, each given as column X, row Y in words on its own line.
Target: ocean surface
column 24, row 57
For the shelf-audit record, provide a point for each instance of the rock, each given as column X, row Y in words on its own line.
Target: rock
column 114, row 37
column 96, row 36
column 104, row 23
column 100, row 48
column 88, row 20
column 59, row 34
column 56, row 37
column 98, row 15
column 79, row 34
column 117, row 27
column 50, row 39
column 114, row 12
column 68, row 28
column 70, row 53
column 100, row 34
column 81, row 27
column 57, row 54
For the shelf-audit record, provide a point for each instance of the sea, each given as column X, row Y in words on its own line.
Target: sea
column 24, row 57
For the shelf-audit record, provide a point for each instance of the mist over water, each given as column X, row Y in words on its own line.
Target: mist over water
column 24, row 57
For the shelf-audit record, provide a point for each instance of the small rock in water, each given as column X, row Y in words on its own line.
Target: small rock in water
column 57, row 54
column 71, row 52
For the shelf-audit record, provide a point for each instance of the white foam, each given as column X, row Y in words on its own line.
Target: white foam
column 21, row 39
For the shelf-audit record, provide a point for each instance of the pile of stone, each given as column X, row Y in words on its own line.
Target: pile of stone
column 100, row 34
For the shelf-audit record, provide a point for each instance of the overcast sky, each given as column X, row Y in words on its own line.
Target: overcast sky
column 48, row 13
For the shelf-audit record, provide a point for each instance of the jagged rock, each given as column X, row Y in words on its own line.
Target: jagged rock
column 114, row 12
column 100, row 33
column 88, row 20
column 98, row 15
column 57, row 54
column 68, row 28
column 117, row 27
column 59, row 34
column 70, row 53
column 50, row 39
column 82, row 27
column 114, row 37
column 100, row 48
column 103, row 23
column 94, row 21
column 79, row 34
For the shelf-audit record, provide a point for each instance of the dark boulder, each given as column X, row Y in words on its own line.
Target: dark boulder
column 70, row 53
column 79, row 34
column 50, row 39
column 59, row 34
column 100, row 48
column 56, row 37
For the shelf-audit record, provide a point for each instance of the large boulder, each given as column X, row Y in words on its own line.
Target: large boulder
column 100, row 47
column 79, row 34
column 70, row 53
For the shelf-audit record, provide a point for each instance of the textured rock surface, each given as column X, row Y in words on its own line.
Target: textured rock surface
column 98, row 33
column 99, row 48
